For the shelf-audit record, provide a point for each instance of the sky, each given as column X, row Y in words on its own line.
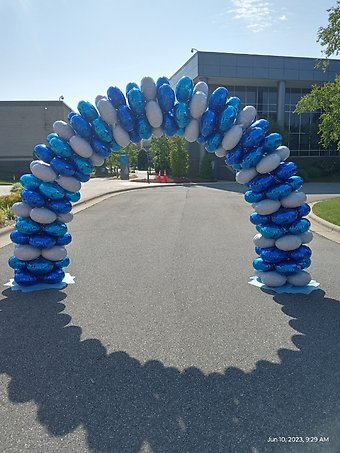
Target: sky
column 78, row 48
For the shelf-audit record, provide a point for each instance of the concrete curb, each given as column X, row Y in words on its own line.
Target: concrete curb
column 322, row 227
column 321, row 221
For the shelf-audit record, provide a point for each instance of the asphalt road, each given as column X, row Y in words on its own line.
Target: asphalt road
column 162, row 346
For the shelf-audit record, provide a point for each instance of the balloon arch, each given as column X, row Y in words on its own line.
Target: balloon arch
column 215, row 121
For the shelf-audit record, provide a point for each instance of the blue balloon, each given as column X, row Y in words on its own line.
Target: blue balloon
column 258, row 219
column 166, row 98
column 252, row 158
column 162, row 81
column 261, row 183
column 227, row 118
column 62, row 263
column 213, row 142
column 44, row 153
column 59, row 206
column 130, row 86
column 114, row 147
column 235, row 102
column 70, row 115
column 305, row 263
column 184, row 89
column 61, row 167
column 116, row 97
column 60, row 147
column 81, row 126
column 100, row 148
column 254, row 197
column 295, row 182
column 30, row 182
column 287, row 268
column 301, row 253
column 135, row 137
column 125, row 118
column 33, row 198
column 253, row 137
column 284, row 216
column 52, row 135
column 208, row 122
column 81, row 176
column 279, row 191
column 42, row 241
column 273, row 255
column 55, row 228
column 25, row 225
column 234, row 156
column 83, row 165
column 299, row 226
column 72, row 196
column 218, row 99
column 55, row 276
column 87, row 110
column 15, row 263
column 303, row 210
column 285, row 170
column 102, row 129
column 52, row 190
column 169, row 125
column 181, row 132
column 136, row 100
column 258, row 250
column 23, row 278
column 40, row 266
column 182, row 114
column 19, row 238
column 201, row 139
column 260, row 265
column 64, row 240
column 272, row 141
column 271, row 231
column 262, row 123
column 143, row 128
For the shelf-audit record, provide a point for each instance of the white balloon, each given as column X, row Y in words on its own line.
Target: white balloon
column 66, row 218
column 198, row 104
column 273, row 279
column 55, row 253
column 232, row 137
column 43, row 215
column 149, row 89
column 301, row 278
column 306, row 237
column 26, row 252
column 157, row 132
column 288, row 242
column 63, row 129
column 246, row 116
column 266, row 206
column 201, row 86
column 80, row 146
column 69, row 183
column 268, row 163
column 261, row 241
column 121, row 136
column 21, row 209
column 154, row 114
column 192, row 131
column 220, row 152
column 245, row 175
column 283, row 152
column 107, row 111
column 99, row 98
column 294, row 200
column 43, row 171
column 97, row 160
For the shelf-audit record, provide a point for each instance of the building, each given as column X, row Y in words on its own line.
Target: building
column 274, row 85
column 23, row 124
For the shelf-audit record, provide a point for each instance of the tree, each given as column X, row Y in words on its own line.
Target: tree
column 142, row 159
column 179, row 157
column 160, row 147
column 132, row 150
column 327, row 97
column 111, row 162
column 205, row 167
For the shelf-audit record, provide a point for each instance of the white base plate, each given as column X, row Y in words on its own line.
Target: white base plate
column 67, row 280
column 287, row 288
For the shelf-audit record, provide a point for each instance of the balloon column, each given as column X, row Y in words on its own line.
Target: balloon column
column 75, row 148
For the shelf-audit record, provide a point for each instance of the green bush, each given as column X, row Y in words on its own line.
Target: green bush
column 179, row 157
column 160, row 149
column 205, row 167
column 16, row 188
column 8, row 200
column 314, row 173
column 304, row 174
column 2, row 218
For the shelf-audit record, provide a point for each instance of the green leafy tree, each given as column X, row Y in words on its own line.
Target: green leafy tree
column 160, row 148
column 112, row 162
column 205, row 167
column 132, row 150
column 142, row 160
column 329, row 37
column 179, row 157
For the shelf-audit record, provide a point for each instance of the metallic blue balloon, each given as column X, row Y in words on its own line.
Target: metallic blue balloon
column 130, row 86
column 285, row 170
column 262, row 123
column 59, row 206
column 227, row 118
column 258, row 219
column 125, row 118
column 136, row 100
column 83, row 165
column 166, row 97
column 42, row 241
column 201, row 139
column 279, row 191
column 181, row 132
column 273, row 255
column 87, row 110
column 52, row 135
column 235, row 102
column 284, row 216
column 213, row 142
column 33, row 198
column 15, row 263
column 135, row 137
column 62, row 263
column 253, row 137
column 295, row 182
column 258, row 250
column 30, row 182
column 252, row 158
column 208, row 122
column 81, row 176
column 61, row 167
column 55, row 228
column 70, row 115
column 116, row 97
column 144, row 129
column 260, row 265
column 272, row 141
column 60, row 147
column 299, row 226
column 51, row 190
column 184, row 89
column 64, row 240
column 44, row 153
column 234, row 156
column 102, row 130
column 23, row 278
column 301, row 253
column 303, row 210
column 72, row 196
column 114, row 147
column 271, row 231
column 287, row 268
column 182, row 114
column 100, row 148
column 261, row 183
column 305, row 263
column 55, row 276
column 218, row 99
column 81, row 126
column 19, row 238
column 161, row 81
column 254, row 197
column 40, row 266
column 169, row 125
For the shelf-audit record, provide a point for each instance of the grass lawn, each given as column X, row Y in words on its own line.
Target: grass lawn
column 5, row 183
column 328, row 210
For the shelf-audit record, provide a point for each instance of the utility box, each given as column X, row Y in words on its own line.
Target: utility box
column 124, row 166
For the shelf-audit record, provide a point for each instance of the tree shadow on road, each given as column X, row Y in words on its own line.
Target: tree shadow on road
column 123, row 404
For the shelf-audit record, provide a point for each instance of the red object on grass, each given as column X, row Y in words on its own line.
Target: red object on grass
column 164, row 177
column 159, row 176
